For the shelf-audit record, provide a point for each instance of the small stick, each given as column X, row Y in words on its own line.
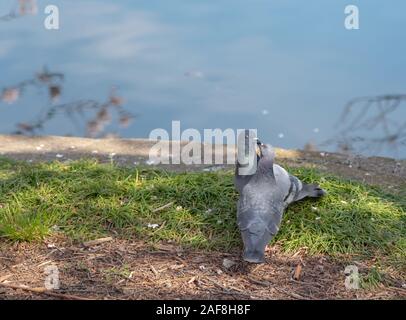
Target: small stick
column 261, row 283
column 44, row 263
column 154, row 271
column 92, row 243
column 42, row 291
column 400, row 290
column 267, row 283
column 4, row 278
column 229, row 289
column 163, row 207
column 292, row 294
column 313, row 284
column 298, row 271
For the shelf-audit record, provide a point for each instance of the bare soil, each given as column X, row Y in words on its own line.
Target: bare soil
column 133, row 270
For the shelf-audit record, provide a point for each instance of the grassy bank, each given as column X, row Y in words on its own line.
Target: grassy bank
column 85, row 200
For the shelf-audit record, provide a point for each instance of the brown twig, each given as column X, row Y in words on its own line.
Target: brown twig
column 298, row 272
column 231, row 290
column 42, row 291
column 400, row 290
column 96, row 242
column 163, row 207
column 267, row 283
column 292, row 294
column 6, row 277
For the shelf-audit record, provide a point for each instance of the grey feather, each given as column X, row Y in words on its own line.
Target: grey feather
column 263, row 198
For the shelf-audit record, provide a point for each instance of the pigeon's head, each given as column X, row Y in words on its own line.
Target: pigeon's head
column 265, row 151
column 255, row 239
column 258, row 148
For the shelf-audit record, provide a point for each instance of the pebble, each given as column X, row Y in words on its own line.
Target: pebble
column 227, row 263
column 153, row 225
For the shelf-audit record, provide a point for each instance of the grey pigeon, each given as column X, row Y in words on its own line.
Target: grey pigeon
column 264, row 195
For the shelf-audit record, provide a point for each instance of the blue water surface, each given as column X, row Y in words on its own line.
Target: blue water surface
column 285, row 67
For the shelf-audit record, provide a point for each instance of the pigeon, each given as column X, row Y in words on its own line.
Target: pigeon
column 263, row 197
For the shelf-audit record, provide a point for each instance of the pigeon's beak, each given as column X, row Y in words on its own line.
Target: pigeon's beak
column 258, row 148
column 258, row 151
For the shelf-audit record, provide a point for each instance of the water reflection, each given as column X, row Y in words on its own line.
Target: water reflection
column 88, row 116
column 372, row 124
column 367, row 124
column 286, row 68
column 50, row 80
column 21, row 8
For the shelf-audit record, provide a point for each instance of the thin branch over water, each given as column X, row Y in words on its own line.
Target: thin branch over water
column 371, row 124
column 88, row 116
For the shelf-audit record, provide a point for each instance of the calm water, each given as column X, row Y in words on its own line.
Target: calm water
column 285, row 67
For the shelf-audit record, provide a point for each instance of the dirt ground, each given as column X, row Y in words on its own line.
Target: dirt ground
column 133, row 270
column 121, row 269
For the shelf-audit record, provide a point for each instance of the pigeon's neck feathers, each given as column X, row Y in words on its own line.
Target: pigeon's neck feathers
column 265, row 166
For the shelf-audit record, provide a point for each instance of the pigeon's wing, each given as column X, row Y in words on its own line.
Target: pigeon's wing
column 299, row 190
column 287, row 185
column 294, row 190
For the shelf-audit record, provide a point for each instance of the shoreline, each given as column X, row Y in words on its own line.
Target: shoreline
column 386, row 172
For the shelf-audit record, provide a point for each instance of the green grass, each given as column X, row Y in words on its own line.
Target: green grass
column 86, row 200
column 372, row 279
